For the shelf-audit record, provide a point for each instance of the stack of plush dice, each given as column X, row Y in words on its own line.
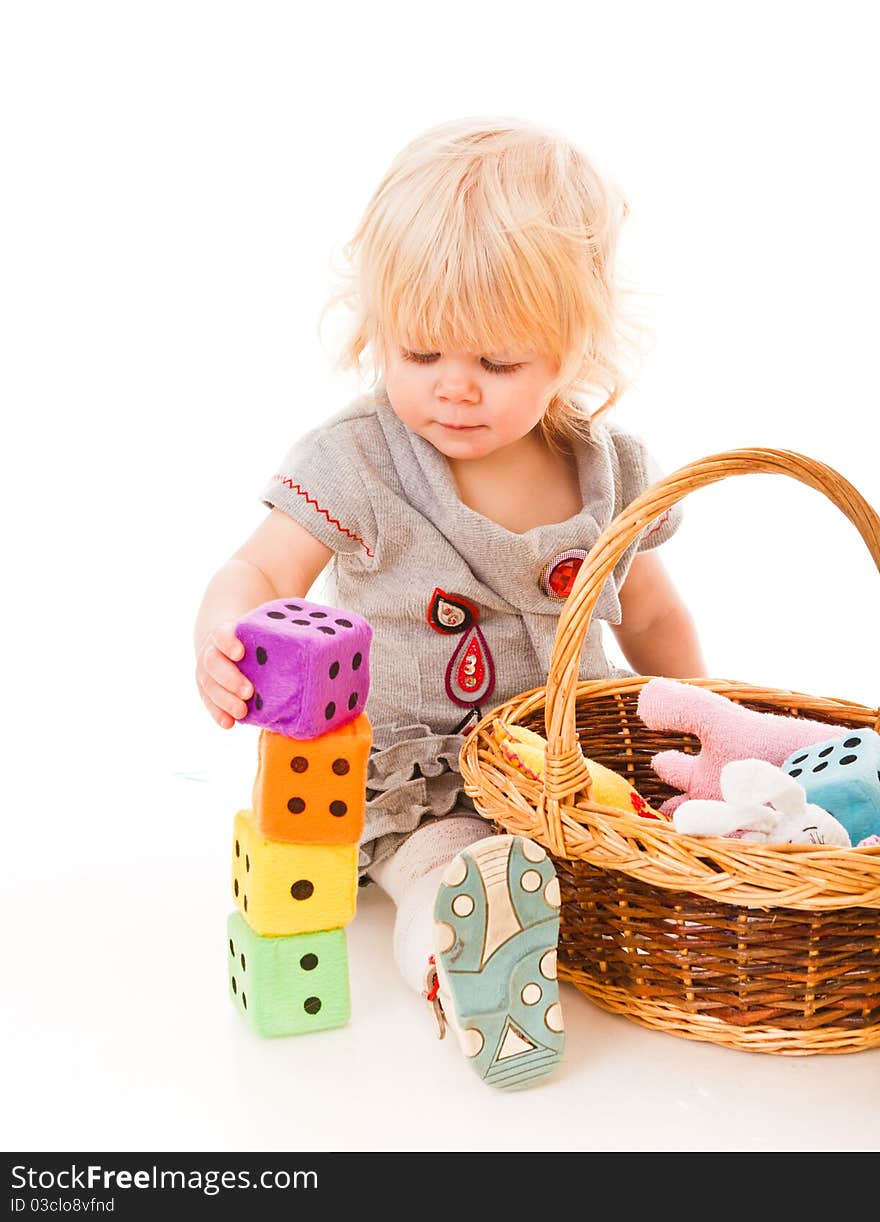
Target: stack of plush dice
column 294, row 864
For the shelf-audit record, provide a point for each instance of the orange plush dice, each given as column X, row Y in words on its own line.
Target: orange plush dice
column 313, row 791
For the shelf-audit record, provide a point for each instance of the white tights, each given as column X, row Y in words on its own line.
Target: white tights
column 411, row 877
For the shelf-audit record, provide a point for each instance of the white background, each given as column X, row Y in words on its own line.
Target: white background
column 178, row 178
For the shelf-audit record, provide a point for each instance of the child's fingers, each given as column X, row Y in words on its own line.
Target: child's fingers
column 224, row 699
column 223, row 719
column 222, row 686
column 218, row 667
column 227, row 642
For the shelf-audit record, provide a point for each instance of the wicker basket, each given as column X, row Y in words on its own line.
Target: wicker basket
column 765, row 948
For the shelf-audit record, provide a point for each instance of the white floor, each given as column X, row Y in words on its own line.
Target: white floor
column 118, row 1034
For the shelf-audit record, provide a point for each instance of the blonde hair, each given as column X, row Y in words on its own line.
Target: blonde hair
column 489, row 235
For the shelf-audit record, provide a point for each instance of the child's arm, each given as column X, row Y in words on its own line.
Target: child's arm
column 657, row 633
column 280, row 560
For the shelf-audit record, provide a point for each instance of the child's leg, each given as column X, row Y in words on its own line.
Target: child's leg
column 487, row 908
column 496, row 931
column 411, row 877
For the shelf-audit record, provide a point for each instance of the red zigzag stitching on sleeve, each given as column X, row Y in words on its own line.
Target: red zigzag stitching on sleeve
column 657, row 525
column 333, row 521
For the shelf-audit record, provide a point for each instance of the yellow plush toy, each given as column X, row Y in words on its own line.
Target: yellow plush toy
column 526, row 750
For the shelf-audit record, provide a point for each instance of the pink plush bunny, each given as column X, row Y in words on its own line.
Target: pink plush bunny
column 726, row 731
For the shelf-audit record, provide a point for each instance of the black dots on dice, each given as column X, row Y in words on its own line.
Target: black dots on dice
column 317, row 615
column 827, row 751
column 312, row 1005
column 849, row 759
column 262, row 656
column 344, row 623
column 258, row 701
column 296, row 806
column 329, row 631
column 247, row 864
column 352, row 700
column 334, row 670
column 275, row 615
column 235, row 887
column 309, row 962
column 302, row 889
column 234, row 986
column 341, row 767
column 795, row 771
column 299, row 763
column 330, row 710
column 293, row 606
column 304, row 623
column 853, row 742
column 356, row 661
column 800, row 759
column 243, row 963
column 819, row 767
column 338, row 809
column 237, row 849
column 231, row 948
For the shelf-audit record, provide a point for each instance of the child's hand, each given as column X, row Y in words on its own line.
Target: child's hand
column 222, row 686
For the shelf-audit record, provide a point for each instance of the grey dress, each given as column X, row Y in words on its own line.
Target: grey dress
column 464, row 612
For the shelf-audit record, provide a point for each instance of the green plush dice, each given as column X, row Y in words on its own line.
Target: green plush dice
column 288, row 985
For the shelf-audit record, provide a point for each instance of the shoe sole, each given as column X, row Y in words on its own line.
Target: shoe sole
column 496, row 931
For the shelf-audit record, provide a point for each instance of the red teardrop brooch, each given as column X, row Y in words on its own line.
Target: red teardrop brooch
column 470, row 672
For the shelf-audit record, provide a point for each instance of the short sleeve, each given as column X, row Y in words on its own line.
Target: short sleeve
column 638, row 470
column 665, row 526
column 320, row 484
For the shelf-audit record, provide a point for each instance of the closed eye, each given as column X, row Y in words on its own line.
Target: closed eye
column 426, row 358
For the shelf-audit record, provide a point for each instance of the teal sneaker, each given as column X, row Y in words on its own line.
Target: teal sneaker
column 496, row 931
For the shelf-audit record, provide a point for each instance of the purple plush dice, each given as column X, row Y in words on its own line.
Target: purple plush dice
column 309, row 664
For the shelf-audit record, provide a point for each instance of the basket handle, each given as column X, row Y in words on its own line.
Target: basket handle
column 565, row 771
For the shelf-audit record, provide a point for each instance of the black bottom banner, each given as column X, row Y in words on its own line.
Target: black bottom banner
column 383, row 1185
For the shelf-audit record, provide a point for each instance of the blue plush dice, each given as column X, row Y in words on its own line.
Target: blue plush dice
column 842, row 776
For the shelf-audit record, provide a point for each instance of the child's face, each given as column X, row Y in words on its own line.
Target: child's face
column 468, row 404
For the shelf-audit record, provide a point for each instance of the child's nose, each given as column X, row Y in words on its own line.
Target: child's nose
column 457, row 384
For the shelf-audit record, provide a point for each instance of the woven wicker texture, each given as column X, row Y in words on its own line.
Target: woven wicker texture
column 760, row 947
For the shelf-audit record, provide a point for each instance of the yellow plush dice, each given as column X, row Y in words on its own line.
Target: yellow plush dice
column 291, row 888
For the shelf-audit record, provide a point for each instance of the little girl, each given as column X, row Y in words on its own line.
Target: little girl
column 459, row 496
